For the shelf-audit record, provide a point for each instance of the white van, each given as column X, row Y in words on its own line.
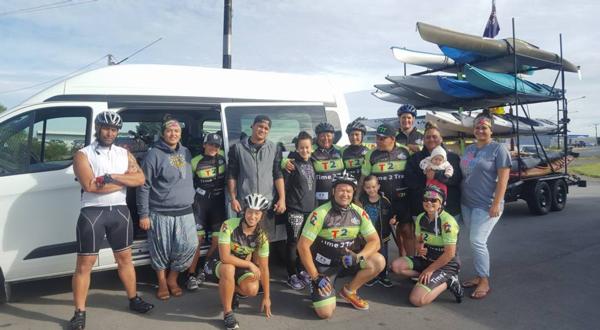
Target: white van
column 39, row 197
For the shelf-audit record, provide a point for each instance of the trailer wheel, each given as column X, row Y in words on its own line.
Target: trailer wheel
column 539, row 198
column 559, row 195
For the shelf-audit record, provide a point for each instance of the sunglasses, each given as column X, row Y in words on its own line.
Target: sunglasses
column 430, row 200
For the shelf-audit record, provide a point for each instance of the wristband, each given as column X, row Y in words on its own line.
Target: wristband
column 108, row 178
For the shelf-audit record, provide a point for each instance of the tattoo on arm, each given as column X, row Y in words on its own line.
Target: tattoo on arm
column 133, row 166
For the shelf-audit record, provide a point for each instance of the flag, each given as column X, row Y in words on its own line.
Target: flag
column 492, row 28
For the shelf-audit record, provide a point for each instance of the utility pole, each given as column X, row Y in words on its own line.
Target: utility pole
column 227, row 34
column 596, row 127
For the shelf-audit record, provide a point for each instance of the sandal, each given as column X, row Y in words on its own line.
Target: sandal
column 480, row 294
column 163, row 295
column 470, row 283
column 176, row 291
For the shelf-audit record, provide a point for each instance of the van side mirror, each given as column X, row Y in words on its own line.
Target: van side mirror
column 337, row 136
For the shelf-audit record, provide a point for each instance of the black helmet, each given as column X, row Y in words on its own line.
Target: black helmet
column 356, row 126
column 433, row 191
column 324, row 128
column 109, row 118
column 407, row 108
column 344, row 177
column 213, row 138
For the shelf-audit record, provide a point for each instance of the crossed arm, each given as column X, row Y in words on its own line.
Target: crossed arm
column 85, row 175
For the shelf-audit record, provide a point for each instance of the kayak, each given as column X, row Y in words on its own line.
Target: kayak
column 467, row 48
column 428, row 60
column 504, row 84
column 454, row 124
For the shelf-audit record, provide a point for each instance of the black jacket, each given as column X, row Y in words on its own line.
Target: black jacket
column 300, row 185
column 415, row 180
column 382, row 225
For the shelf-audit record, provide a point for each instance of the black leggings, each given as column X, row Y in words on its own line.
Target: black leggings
column 294, row 224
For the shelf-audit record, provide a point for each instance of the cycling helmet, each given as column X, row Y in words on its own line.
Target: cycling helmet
column 356, row 126
column 407, row 108
column 109, row 118
column 433, row 191
column 344, row 177
column 256, row 202
column 324, row 128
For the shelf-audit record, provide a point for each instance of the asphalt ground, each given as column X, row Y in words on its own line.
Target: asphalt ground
column 545, row 275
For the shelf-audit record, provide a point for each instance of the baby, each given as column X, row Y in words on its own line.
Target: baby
column 440, row 165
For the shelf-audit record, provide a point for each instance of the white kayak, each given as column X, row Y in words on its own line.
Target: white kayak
column 428, row 60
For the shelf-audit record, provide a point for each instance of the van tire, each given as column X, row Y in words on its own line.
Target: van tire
column 559, row 195
column 539, row 198
column 4, row 289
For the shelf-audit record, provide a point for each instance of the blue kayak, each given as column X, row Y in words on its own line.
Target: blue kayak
column 504, row 84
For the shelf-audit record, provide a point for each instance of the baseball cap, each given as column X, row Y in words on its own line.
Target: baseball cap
column 386, row 130
column 213, row 138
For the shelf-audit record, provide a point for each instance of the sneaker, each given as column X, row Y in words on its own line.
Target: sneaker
column 192, row 282
column 371, row 282
column 235, row 302
column 354, row 299
column 201, row 278
column 295, row 283
column 385, row 281
column 305, row 278
column 138, row 305
column 456, row 288
column 230, row 321
column 78, row 320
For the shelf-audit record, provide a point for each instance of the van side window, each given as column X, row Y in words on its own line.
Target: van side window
column 14, row 144
column 57, row 134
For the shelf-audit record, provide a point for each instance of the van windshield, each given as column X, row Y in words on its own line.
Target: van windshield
column 288, row 121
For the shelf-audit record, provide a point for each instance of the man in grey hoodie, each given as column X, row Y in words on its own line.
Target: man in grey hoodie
column 165, row 208
column 254, row 168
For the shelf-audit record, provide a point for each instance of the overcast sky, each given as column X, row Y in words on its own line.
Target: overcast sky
column 347, row 40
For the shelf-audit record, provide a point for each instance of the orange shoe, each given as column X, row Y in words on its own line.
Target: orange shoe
column 354, row 299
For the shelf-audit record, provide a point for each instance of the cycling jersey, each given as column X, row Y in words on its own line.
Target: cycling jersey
column 243, row 245
column 333, row 229
column 327, row 164
column 414, row 137
column 436, row 234
column 209, row 178
column 388, row 167
column 354, row 157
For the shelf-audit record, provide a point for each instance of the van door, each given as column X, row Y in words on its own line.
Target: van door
column 288, row 119
column 40, row 199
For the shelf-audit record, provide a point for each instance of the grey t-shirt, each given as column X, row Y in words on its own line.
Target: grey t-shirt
column 480, row 173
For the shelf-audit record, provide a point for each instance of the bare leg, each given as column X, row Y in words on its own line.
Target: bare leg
column 325, row 312
column 400, row 266
column 194, row 265
column 248, row 287
column 226, row 286
column 126, row 272
column 81, row 280
column 421, row 296
column 375, row 264
column 408, row 238
column 172, row 283
column 214, row 245
column 163, row 289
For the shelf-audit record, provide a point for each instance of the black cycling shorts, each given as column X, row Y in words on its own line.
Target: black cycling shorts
column 441, row 275
column 332, row 272
column 213, row 272
column 97, row 223
column 209, row 214
column 401, row 208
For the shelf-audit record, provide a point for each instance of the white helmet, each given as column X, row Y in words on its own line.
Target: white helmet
column 256, row 202
column 109, row 118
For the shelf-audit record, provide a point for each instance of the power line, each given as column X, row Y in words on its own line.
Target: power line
column 55, row 79
column 138, row 51
column 54, row 5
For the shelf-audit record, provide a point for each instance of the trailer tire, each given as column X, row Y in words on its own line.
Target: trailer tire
column 539, row 198
column 559, row 195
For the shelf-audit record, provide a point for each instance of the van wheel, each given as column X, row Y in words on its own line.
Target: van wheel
column 539, row 198
column 4, row 289
column 559, row 195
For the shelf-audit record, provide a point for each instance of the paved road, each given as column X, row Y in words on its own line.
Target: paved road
column 545, row 276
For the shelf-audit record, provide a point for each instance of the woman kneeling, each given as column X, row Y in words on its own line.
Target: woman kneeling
column 436, row 264
column 242, row 241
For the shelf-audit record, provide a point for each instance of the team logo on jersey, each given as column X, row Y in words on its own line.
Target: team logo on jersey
column 402, row 156
column 447, row 227
column 365, row 215
column 313, row 218
column 355, row 221
column 252, row 244
column 224, row 227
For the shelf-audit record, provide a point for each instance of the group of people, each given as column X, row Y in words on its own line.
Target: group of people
column 342, row 207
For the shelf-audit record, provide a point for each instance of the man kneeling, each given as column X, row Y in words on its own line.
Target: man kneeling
column 239, row 240
column 325, row 248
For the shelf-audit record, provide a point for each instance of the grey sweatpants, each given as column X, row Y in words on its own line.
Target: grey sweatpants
column 172, row 241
